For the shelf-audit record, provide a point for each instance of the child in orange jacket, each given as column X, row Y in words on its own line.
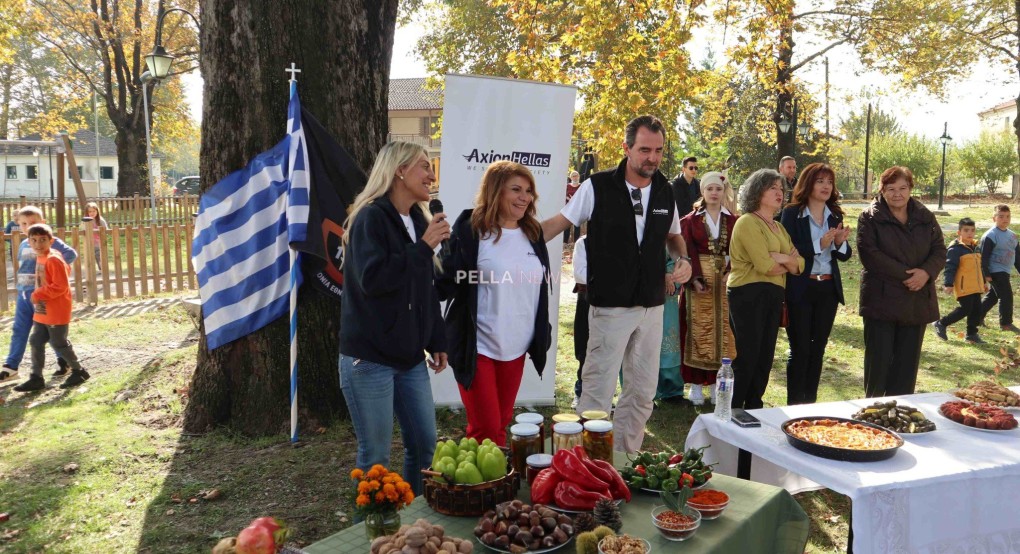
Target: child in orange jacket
column 52, row 301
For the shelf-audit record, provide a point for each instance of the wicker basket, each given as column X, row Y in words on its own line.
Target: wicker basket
column 471, row 500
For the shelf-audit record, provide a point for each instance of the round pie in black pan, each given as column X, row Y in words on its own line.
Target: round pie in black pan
column 881, row 444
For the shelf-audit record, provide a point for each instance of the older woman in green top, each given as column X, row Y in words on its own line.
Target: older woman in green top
column 761, row 254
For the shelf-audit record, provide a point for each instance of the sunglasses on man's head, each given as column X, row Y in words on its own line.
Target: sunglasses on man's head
column 636, row 196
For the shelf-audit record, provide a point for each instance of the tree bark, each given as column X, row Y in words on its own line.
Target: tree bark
column 133, row 176
column 343, row 49
column 6, row 83
column 1016, row 121
column 785, row 142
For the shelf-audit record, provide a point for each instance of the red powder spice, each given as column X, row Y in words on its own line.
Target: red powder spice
column 709, row 497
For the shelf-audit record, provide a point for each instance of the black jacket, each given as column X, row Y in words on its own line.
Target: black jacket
column 462, row 311
column 390, row 309
column 622, row 273
column 887, row 249
column 799, row 229
column 685, row 194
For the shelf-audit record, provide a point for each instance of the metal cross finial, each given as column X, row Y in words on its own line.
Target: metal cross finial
column 293, row 70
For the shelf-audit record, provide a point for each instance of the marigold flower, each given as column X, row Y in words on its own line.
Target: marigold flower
column 389, row 488
column 408, row 497
column 356, row 473
column 362, row 500
column 379, row 496
column 380, row 469
column 403, row 487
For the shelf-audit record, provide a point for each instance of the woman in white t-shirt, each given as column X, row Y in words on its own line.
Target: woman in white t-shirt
column 496, row 274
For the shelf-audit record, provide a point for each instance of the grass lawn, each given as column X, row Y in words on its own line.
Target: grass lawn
column 106, row 467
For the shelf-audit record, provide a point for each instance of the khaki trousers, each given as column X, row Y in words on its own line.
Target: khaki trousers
column 630, row 337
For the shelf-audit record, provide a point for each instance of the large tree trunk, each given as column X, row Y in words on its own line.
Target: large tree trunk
column 1016, row 122
column 785, row 142
column 6, row 83
column 132, row 175
column 343, row 49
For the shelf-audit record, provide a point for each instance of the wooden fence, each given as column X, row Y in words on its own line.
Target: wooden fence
column 118, row 212
column 133, row 261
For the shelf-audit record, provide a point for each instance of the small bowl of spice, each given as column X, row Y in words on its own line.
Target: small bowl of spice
column 624, row 544
column 709, row 502
column 676, row 525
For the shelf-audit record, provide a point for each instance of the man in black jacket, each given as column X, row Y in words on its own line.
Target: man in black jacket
column 632, row 219
column 686, row 187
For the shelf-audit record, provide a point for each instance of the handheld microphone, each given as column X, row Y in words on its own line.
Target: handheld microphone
column 435, row 207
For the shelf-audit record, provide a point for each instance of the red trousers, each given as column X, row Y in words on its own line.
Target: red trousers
column 489, row 403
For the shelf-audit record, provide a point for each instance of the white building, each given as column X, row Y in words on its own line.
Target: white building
column 998, row 118
column 32, row 172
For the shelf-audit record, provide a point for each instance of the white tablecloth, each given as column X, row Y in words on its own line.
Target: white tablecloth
column 956, row 490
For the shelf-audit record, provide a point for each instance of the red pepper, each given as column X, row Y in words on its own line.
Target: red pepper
column 571, row 468
column 572, row 497
column 581, row 452
column 617, row 486
column 676, row 458
column 686, row 480
column 543, row 486
column 641, row 470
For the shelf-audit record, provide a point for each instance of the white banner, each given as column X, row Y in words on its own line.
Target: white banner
column 486, row 119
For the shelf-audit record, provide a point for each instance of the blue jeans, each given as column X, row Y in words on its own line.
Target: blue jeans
column 374, row 393
column 23, row 312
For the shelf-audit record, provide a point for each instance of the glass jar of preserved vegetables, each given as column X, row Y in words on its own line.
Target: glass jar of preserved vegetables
column 524, row 441
column 534, row 419
column 566, row 417
column 598, row 439
column 536, row 463
column 589, row 415
column 566, row 435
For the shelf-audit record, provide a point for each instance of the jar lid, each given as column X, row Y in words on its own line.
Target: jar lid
column 598, row 426
column 561, row 418
column 539, row 460
column 530, row 417
column 594, row 414
column 524, row 429
column 567, row 428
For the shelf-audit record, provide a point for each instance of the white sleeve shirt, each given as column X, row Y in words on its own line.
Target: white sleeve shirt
column 582, row 205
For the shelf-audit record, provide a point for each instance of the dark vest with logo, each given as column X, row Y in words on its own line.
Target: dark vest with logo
column 621, row 273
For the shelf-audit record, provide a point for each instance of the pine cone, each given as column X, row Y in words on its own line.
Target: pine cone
column 608, row 513
column 584, row 522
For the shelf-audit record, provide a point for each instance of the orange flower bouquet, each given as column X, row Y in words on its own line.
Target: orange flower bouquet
column 380, row 490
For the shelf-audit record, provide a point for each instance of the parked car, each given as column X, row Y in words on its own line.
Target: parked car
column 186, row 185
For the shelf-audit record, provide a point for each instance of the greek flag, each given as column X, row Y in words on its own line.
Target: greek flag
column 243, row 232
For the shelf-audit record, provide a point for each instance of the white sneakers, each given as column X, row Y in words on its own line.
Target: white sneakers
column 696, row 396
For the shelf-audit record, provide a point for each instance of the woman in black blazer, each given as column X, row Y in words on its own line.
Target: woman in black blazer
column 814, row 220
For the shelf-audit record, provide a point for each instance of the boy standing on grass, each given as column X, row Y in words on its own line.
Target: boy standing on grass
column 1000, row 253
column 52, row 300
column 23, row 309
column 963, row 276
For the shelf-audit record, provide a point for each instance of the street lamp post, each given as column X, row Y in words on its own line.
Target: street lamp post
column 158, row 64
column 159, row 60
column 945, row 139
column 145, row 78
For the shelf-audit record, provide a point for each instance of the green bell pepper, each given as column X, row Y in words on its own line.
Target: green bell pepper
column 669, row 485
column 468, row 474
column 491, row 466
column 653, row 482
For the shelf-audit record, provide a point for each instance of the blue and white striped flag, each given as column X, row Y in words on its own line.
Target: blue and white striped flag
column 242, row 234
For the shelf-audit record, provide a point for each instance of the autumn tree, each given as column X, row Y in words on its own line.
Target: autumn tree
column 105, row 43
column 989, row 30
column 898, row 37
column 626, row 58
column 991, row 159
column 245, row 48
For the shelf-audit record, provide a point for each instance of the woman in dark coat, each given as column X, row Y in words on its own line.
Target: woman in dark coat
column 902, row 251
column 814, row 220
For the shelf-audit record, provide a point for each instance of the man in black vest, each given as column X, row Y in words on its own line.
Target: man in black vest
column 632, row 219
column 686, row 187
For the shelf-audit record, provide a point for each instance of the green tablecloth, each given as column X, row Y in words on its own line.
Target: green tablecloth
column 760, row 518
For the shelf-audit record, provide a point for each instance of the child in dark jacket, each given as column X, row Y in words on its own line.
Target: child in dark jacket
column 963, row 277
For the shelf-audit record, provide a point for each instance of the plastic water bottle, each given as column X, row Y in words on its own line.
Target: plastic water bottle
column 724, row 390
